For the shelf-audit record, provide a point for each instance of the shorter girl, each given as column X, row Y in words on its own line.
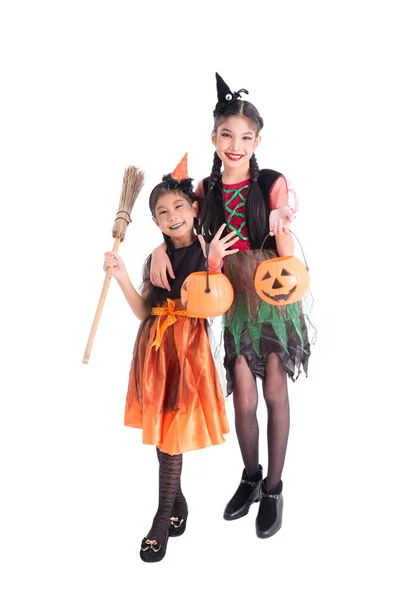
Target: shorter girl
column 174, row 393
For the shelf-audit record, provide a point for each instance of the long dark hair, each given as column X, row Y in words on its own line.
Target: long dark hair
column 213, row 213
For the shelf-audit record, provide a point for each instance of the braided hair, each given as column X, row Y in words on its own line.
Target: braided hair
column 213, row 213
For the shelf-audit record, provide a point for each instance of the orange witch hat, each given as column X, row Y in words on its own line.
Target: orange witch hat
column 181, row 171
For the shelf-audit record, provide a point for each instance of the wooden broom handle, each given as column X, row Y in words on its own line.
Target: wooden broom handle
column 100, row 305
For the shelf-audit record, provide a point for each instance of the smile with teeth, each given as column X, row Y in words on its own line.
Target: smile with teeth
column 233, row 156
column 176, row 226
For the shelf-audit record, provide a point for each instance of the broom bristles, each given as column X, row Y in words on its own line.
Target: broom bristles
column 132, row 184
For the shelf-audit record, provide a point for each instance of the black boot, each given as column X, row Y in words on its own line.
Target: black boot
column 269, row 518
column 249, row 491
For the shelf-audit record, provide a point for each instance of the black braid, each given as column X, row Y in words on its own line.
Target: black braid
column 215, row 176
column 256, row 208
column 213, row 213
column 254, row 170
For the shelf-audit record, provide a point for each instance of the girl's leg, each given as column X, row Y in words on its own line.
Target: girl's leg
column 245, row 401
column 269, row 518
column 179, row 514
column 169, row 477
column 179, row 511
column 277, row 400
column 180, row 505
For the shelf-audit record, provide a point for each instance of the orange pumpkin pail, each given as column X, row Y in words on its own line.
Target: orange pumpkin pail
column 282, row 280
column 206, row 294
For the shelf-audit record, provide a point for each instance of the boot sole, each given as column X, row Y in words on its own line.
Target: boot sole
column 267, row 534
column 236, row 516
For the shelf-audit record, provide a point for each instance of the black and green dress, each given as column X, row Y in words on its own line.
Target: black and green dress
column 251, row 327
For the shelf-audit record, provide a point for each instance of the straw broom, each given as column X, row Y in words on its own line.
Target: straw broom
column 131, row 186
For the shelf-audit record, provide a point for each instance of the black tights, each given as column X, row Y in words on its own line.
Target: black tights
column 171, row 501
column 245, row 400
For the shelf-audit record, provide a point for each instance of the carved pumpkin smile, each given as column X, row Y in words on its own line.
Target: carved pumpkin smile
column 281, row 280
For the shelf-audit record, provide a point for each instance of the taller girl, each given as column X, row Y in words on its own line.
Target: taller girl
column 260, row 340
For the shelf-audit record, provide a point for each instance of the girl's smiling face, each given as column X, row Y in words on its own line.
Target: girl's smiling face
column 235, row 141
column 174, row 215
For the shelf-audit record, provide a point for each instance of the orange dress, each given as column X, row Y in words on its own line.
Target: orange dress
column 174, row 393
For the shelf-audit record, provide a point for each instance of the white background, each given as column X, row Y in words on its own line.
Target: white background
column 90, row 88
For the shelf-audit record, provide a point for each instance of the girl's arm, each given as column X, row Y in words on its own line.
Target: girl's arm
column 282, row 214
column 136, row 301
column 160, row 265
column 284, row 244
column 283, row 207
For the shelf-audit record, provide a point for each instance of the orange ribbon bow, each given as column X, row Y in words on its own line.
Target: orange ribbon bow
column 170, row 313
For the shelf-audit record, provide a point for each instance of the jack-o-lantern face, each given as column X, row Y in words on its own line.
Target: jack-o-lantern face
column 281, row 280
column 201, row 303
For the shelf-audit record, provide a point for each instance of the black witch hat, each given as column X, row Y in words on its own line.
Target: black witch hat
column 225, row 95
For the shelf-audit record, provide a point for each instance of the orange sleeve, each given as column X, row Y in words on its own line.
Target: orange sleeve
column 281, row 195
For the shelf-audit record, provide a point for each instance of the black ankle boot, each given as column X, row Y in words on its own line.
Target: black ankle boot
column 249, row 491
column 269, row 518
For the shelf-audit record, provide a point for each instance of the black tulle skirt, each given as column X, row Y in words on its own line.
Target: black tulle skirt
column 254, row 329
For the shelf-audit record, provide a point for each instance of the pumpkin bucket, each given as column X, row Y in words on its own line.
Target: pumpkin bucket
column 206, row 294
column 282, row 280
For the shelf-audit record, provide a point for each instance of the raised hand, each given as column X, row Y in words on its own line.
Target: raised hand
column 219, row 246
column 280, row 219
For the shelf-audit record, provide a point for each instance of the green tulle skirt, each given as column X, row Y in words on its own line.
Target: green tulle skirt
column 254, row 329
